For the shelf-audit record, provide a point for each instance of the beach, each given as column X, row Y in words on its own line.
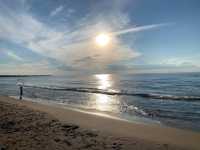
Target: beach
column 99, row 75
column 31, row 125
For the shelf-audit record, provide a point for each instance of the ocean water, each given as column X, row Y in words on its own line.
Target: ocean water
column 167, row 99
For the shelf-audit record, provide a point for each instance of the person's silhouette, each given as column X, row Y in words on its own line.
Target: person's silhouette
column 21, row 92
column 20, row 84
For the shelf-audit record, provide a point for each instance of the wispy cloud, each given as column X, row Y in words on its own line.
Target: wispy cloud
column 181, row 62
column 72, row 45
column 139, row 29
column 37, row 68
column 56, row 11
column 7, row 53
column 65, row 46
column 13, row 56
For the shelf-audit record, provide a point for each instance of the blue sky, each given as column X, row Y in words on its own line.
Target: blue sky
column 56, row 37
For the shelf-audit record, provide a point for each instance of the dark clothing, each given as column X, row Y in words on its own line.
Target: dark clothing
column 21, row 92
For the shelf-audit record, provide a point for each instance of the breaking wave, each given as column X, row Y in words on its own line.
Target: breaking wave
column 115, row 92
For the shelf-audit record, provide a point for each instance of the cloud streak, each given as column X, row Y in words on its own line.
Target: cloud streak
column 14, row 56
column 139, row 29
column 56, row 11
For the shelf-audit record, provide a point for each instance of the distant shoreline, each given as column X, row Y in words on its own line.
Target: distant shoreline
column 136, row 73
column 23, row 75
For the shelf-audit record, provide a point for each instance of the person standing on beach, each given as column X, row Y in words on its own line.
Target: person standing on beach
column 20, row 84
column 20, row 92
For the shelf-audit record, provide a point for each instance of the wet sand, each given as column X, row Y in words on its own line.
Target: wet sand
column 26, row 125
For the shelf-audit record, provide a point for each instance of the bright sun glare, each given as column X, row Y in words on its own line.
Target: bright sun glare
column 102, row 39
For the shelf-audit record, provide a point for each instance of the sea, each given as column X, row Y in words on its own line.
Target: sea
column 171, row 99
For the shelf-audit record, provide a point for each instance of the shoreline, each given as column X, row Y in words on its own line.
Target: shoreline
column 82, row 109
column 117, row 116
column 114, row 127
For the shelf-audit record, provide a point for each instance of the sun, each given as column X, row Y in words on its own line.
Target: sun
column 102, row 39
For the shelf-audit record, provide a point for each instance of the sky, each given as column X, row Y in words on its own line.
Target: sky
column 57, row 37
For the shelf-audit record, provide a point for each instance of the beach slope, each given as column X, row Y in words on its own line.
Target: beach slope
column 29, row 125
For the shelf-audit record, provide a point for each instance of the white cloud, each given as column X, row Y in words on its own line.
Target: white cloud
column 66, row 46
column 180, row 62
column 70, row 10
column 56, row 11
column 20, row 28
column 72, row 44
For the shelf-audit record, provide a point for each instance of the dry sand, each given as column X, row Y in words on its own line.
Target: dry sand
column 26, row 125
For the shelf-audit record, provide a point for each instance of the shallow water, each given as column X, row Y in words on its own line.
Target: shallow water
column 172, row 99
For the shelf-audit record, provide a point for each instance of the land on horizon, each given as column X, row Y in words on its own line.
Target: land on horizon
column 22, row 75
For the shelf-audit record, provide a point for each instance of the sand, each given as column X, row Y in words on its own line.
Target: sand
column 26, row 125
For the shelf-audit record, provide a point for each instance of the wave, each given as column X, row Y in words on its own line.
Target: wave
column 173, row 114
column 115, row 92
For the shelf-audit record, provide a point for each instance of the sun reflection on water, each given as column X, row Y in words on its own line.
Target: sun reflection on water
column 104, row 81
column 104, row 102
